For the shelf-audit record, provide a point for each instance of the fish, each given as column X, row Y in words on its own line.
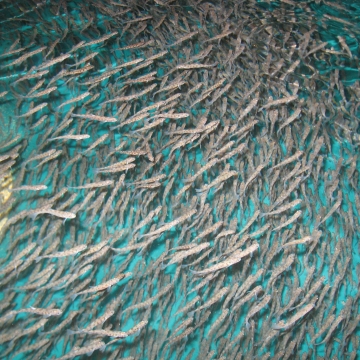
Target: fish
column 29, row 188
column 43, row 312
column 223, row 177
column 96, row 143
column 251, row 106
column 220, row 36
column 289, row 221
column 33, row 110
column 93, row 185
column 178, row 257
column 194, row 66
column 102, row 39
column 53, row 61
column 171, row 224
column 100, row 321
column 250, row 222
column 25, row 56
column 85, row 58
column 104, row 286
column 103, row 119
column 184, row 38
column 255, row 309
column 70, row 137
column 333, row 326
column 293, row 319
column 303, row 240
column 71, row 252
column 209, row 230
column 344, row 45
column 233, row 259
column 284, row 100
column 88, row 349
column 283, row 208
column 61, row 214
column 285, row 264
column 219, row 320
column 75, row 99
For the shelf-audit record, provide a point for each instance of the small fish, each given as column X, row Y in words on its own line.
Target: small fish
column 89, row 349
column 33, row 110
column 71, row 252
column 115, row 169
column 96, row 143
column 303, row 240
column 85, row 59
column 70, row 137
column 29, row 188
column 54, row 61
column 105, row 286
column 289, row 221
column 344, row 46
column 93, row 185
column 97, row 41
column 223, row 177
column 217, row 296
column 251, row 105
column 75, row 99
column 61, row 214
column 284, row 100
column 100, row 321
column 194, row 66
column 283, row 208
column 103, row 119
column 171, row 224
column 184, row 38
column 42, row 93
column 291, row 321
column 24, row 57
column 255, row 309
column 233, row 259
column 179, row 256
column 42, row 312
column 220, row 36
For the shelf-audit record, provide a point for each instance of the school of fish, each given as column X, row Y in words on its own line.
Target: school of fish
column 179, row 179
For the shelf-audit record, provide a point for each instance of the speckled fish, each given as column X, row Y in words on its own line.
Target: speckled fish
column 103, row 119
column 233, row 259
column 57, row 213
column 75, row 99
column 43, row 312
column 106, row 285
column 70, row 137
column 291, row 321
column 171, row 224
column 103, row 38
column 89, row 349
column 29, row 188
column 284, row 100
column 71, row 252
column 221, row 178
column 33, row 110
column 179, row 256
column 93, row 185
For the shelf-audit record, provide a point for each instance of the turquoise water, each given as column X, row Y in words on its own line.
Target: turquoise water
column 220, row 67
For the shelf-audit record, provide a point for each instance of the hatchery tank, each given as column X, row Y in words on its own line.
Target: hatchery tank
column 179, row 179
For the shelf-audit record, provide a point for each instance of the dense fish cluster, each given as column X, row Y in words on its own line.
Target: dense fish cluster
column 179, row 179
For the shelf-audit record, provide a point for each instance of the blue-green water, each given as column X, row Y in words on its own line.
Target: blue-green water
column 221, row 66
